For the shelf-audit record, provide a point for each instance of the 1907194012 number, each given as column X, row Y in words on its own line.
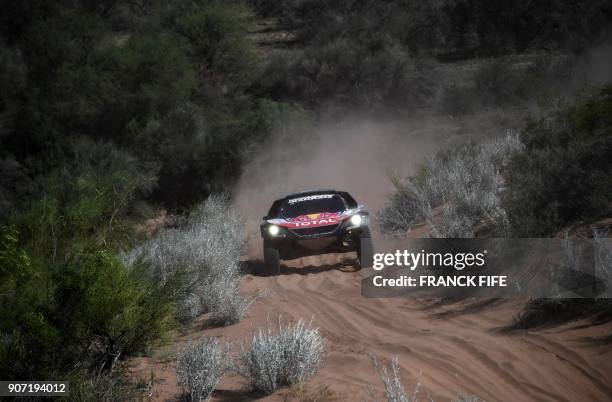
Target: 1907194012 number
column 33, row 388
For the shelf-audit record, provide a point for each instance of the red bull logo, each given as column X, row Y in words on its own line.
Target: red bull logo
column 314, row 220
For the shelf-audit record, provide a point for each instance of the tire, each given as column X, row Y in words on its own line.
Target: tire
column 365, row 249
column 271, row 260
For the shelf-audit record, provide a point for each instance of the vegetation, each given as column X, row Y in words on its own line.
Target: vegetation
column 66, row 298
column 109, row 110
column 564, row 174
column 501, row 83
column 168, row 84
column 105, row 387
column 285, row 355
column 465, row 182
column 393, row 389
column 556, row 173
column 200, row 367
column 342, row 75
column 199, row 261
column 271, row 361
column 351, row 54
column 445, row 28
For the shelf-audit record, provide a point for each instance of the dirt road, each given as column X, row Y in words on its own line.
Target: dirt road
column 446, row 350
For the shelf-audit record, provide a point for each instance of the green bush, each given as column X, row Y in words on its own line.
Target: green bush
column 103, row 386
column 216, row 32
column 172, row 86
column 88, row 310
column 153, row 75
column 564, row 174
column 89, row 197
column 66, row 298
column 27, row 335
column 105, row 311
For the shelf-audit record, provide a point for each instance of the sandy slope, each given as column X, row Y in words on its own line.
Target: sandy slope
column 447, row 353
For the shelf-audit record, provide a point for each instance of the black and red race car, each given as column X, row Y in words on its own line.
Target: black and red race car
column 315, row 222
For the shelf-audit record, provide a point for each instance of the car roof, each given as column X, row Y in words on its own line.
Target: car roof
column 310, row 192
column 348, row 199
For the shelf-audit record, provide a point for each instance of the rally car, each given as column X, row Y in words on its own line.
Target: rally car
column 312, row 223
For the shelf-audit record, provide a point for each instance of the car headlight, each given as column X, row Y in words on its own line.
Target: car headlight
column 273, row 230
column 356, row 220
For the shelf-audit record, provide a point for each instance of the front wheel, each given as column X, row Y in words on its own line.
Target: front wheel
column 365, row 249
column 271, row 260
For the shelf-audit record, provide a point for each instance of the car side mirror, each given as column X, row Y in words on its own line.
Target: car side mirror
column 265, row 218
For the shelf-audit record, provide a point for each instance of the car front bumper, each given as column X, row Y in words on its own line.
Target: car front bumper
column 301, row 242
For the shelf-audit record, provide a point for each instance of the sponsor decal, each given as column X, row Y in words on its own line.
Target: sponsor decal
column 310, row 197
column 313, row 220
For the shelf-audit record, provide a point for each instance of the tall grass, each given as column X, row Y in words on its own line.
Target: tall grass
column 465, row 182
column 199, row 259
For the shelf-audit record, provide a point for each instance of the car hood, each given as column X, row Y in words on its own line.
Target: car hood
column 315, row 219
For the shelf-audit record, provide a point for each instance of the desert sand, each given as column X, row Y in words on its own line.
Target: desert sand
column 447, row 350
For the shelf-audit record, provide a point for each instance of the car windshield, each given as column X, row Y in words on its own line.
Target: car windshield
column 312, row 204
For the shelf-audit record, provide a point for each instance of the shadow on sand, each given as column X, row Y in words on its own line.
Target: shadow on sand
column 257, row 268
column 239, row 396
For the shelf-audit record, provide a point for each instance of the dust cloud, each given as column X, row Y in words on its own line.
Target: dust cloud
column 353, row 154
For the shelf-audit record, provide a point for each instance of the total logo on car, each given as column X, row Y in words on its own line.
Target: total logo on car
column 312, row 220
column 315, row 222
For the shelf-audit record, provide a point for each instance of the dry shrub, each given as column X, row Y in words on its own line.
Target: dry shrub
column 199, row 258
column 393, row 389
column 466, row 182
column 200, row 367
column 281, row 355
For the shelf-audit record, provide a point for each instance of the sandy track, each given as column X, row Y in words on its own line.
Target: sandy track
column 456, row 351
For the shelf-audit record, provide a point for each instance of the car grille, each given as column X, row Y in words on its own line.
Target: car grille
column 321, row 230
